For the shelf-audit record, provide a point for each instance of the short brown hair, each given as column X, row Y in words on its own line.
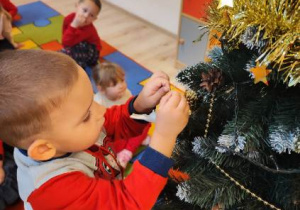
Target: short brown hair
column 33, row 83
column 97, row 2
column 109, row 74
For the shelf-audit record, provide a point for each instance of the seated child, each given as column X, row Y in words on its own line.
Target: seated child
column 9, row 7
column 8, row 178
column 6, row 39
column 54, row 125
column 111, row 84
column 112, row 90
column 80, row 38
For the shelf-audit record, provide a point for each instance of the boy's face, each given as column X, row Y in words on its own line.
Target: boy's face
column 87, row 10
column 116, row 92
column 76, row 124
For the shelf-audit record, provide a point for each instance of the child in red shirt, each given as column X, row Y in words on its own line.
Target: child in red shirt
column 6, row 39
column 80, row 38
column 9, row 7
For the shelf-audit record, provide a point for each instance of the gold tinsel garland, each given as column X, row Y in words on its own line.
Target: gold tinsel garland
column 276, row 22
column 242, row 187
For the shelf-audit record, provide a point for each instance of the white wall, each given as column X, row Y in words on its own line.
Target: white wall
column 162, row 13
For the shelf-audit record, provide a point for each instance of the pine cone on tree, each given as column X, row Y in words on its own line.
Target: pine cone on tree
column 211, row 80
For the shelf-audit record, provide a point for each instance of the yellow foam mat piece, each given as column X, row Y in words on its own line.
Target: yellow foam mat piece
column 15, row 31
column 28, row 44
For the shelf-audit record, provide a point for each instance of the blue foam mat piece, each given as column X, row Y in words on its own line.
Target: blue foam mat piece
column 42, row 22
column 134, row 73
column 33, row 12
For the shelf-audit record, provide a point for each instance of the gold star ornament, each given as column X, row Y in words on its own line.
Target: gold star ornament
column 260, row 74
column 223, row 3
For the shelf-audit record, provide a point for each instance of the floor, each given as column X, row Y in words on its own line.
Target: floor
column 149, row 46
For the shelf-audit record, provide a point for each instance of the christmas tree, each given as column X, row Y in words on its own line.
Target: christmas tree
column 241, row 147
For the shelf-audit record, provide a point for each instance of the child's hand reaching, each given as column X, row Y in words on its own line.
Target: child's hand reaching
column 171, row 117
column 124, row 157
column 157, row 86
column 2, row 172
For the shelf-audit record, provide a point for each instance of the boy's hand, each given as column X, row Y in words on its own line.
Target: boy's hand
column 157, row 86
column 2, row 173
column 172, row 116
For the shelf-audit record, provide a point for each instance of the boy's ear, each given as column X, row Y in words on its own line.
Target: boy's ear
column 41, row 149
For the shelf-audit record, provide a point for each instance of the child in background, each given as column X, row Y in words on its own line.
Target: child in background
column 9, row 7
column 6, row 39
column 80, row 38
column 2, row 172
column 54, row 125
column 112, row 90
column 8, row 178
column 111, row 84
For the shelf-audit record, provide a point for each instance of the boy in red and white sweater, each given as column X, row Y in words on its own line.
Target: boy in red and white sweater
column 54, row 125
column 80, row 38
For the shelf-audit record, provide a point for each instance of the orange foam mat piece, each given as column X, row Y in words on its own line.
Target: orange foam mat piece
column 17, row 17
column 106, row 49
column 54, row 46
